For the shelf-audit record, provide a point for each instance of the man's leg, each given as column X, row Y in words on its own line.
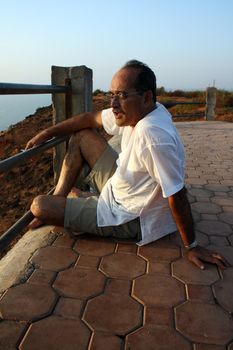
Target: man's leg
column 86, row 145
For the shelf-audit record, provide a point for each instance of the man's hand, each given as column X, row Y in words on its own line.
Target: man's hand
column 199, row 254
column 37, row 140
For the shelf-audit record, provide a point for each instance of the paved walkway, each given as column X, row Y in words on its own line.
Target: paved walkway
column 95, row 294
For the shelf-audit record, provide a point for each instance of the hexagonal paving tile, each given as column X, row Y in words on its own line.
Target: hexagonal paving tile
column 209, row 347
column 118, row 315
column 115, row 265
column 200, row 293
column 200, row 192
column 105, row 341
column 54, row 258
column 27, row 302
column 156, row 338
column 95, row 247
column 214, row 227
column 226, row 217
column 156, row 290
column 223, row 201
column 10, row 332
column 187, row 272
column 223, row 290
column 56, row 333
column 68, row 308
column 79, row 282
column 204, row 323
column 158, row 251
column 203, row 208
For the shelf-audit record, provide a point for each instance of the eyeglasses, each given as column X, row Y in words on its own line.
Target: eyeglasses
column 121, row 95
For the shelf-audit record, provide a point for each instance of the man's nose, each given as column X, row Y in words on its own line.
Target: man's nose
column 115, row 101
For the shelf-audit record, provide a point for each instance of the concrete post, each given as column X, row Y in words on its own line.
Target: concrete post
column 64, row 106
column 211, row 94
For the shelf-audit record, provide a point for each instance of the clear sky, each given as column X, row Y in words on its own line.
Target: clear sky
column 188, row 44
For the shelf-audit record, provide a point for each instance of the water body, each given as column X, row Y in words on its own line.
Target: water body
column 14, row 108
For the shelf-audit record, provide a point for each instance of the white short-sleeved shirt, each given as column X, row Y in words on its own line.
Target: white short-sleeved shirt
column 150, row 168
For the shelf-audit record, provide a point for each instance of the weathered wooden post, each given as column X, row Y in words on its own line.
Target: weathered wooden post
column 211, row 94
column 65, row 106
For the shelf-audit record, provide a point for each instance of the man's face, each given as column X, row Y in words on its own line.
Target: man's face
column 127, row 104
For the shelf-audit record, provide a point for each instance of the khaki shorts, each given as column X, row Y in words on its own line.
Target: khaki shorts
column 81, row 213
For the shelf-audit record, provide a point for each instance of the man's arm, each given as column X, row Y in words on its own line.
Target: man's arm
column 181, row 212
column 71, row 125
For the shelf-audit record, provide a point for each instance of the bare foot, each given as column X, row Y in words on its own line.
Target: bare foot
column 35, row 223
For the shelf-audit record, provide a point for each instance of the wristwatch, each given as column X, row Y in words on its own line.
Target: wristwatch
column 192, row 245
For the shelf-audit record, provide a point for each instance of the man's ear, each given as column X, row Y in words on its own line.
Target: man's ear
column 148, row 97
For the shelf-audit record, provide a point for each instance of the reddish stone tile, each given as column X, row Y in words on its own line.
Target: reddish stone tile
column 208, row 347
column 226, row 217
column 116, row 286
column 230, row 238
column 166, row 251
column 95, row 247
column 27, row 302
column 159, row 315
column 127, row 248
column 204, row 323
column 202, row 238
column 187, row 272
column 218, row 240
column 227, row 209
column 118, row 315
column 227, row 274
column 203, row 208
column 159, row 267
column 42, row 277
column 223, row 291
column 10, row 332
column 196, row 216
column 69, row 308
column 209, row 217
column 200, row 292
column 64, row 240
column 121, row 265
column 88, row 261
column 217, row 188
column 55, row 333
column 200, row 192
column 156, row 338
column 54, row 258
column 223, row 201
column 102, row 341
column 80, row 283
column 153, row 290
column 213, row 227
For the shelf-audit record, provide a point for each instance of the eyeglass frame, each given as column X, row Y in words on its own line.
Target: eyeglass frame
column 122, row 95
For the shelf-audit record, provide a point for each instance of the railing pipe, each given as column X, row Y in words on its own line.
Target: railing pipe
column 18, row 89
column 15, row 229
column 9, row 163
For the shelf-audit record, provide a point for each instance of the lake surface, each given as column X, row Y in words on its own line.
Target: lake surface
column 14, row 108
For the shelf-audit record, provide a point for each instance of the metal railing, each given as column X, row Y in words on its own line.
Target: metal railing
column 22, row 89
column 7, row 164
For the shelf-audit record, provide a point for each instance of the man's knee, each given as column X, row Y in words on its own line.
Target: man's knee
column 38, row 206
column 79, row 136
